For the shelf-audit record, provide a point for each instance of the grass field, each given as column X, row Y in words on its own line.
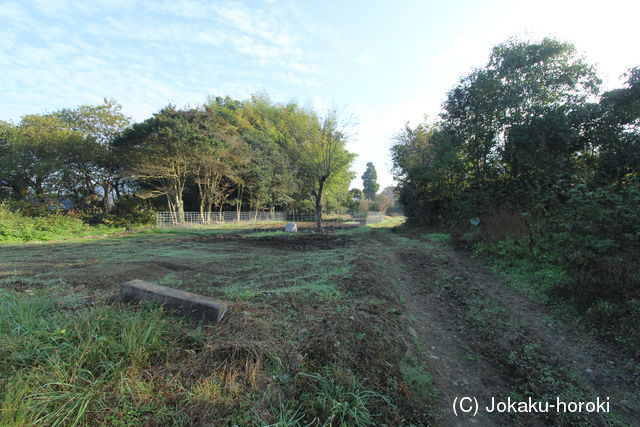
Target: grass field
column 368, row 326
column 312, row 334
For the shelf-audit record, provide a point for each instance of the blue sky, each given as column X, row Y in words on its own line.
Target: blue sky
column 382, row 62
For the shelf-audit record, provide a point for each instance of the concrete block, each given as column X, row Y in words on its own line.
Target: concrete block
column 201, row 307
column 291, row 227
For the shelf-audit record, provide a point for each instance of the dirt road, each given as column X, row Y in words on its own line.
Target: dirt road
column 484, row 341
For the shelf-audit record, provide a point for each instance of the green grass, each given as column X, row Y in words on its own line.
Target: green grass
column 227, row 267
column 389, row 221
column 15, row 227
column 419, row 379
column 61, row 361
column 342, row 400
column 64, row 363
column 540, row 278
column 533, row 275
column 438, row 237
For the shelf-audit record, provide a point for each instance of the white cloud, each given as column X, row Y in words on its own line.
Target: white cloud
column 14, row 13
column 236, row 15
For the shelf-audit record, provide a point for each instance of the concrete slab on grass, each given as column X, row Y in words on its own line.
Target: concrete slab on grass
column 195, row 305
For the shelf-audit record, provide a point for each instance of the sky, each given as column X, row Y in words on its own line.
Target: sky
column 379, row 63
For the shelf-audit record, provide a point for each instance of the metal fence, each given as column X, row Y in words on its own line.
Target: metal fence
column 218, row 219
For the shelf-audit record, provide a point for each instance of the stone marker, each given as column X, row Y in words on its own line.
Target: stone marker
column 291, row 227
column 201, row 307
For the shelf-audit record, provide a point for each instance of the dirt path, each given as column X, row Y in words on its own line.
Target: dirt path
column 483, row 340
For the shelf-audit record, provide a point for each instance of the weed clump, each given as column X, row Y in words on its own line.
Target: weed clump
column 342, row 401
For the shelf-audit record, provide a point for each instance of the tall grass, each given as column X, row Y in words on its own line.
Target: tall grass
column 58, row 362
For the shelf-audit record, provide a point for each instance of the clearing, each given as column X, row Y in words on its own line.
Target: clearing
column 372, row 325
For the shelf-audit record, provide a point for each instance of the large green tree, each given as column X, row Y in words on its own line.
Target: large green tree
column 101, row 124
column 33, row 163
column 322, row 158
column 162, row 153
column 616, row 132
column 251, row 153
column 518, row 119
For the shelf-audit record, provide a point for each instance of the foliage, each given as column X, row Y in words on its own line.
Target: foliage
column 102, row 166
column 430, row 173
column 387, row 200
column 321, row 150
column 595, row 235
column 251, row 154
column 356, row 197
column 15, row 227
column 370, row 185
column 526, row 136
column 64, row 155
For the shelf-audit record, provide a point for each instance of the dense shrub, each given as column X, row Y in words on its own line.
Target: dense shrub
column 595, row 234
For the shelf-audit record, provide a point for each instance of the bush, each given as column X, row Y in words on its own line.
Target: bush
column 128, row 211
column 595, row 234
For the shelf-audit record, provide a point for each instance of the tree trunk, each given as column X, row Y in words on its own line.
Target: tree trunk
column 239, row 204
column 202, row 215
column 116, row 188
column 106, row 187
column 318, row 197
column 172, row 212
column 179, row 208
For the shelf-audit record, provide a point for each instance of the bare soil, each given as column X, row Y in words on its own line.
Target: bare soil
column 479, row 358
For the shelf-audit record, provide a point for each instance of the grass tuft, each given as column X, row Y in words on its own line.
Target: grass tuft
column 59, row 363
column 343, row 402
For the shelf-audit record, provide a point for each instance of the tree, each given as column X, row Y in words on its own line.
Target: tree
column 227, row 152
column 322, row 154
column 162, row 153
column 369, row 184
column 271, row 176
column 525, row 89
column 356, row 196
column 617, row 132
column 386, row 199
column 221, row 155
column 431, row 173
column 101, row 124
column 34, row 151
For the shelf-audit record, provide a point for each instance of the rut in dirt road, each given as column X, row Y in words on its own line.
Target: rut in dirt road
column 484, row 341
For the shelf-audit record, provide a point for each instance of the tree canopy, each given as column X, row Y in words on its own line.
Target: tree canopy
column 529, row 136
column 225, row 154
column 369, row 182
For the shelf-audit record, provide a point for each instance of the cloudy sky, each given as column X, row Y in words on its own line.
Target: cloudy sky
column 384, row 62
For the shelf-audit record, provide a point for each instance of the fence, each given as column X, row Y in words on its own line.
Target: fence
column 217, row 219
